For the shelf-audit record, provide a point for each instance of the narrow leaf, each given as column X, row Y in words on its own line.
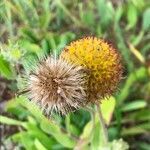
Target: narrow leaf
column 134, row 105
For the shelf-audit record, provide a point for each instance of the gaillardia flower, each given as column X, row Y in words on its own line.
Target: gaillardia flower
column 56, row 85
column 101, row 60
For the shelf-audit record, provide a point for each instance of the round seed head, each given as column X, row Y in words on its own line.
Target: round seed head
column 101, row 60
column 56, row 85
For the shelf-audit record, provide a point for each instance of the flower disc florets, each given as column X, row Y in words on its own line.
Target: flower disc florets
column 57, row 85
column 101, row 60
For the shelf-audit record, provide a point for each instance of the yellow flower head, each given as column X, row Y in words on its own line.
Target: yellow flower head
column 102, row 62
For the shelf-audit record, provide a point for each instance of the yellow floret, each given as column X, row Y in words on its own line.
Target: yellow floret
column 102, row 62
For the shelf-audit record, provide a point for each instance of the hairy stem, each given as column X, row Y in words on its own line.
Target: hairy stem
column 103, row 126
column 92, row 113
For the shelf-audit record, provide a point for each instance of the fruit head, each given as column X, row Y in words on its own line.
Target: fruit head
column 57, row 86
column 102, row 62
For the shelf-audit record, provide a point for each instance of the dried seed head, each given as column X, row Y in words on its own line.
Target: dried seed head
column 102, row 61
column 57, row 85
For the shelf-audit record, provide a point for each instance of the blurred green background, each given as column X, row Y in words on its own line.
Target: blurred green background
column 31, row 28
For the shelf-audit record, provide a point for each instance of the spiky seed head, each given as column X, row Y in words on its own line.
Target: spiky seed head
column 56, row 85
column 102, row 61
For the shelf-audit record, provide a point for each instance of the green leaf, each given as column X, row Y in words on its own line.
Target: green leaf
column 139, row 4
column 36, row 132
column 29, row 46
column 6, row 69
column 96, row 142
column 32, row 107
column 29, row 62
column 107, row 108
column 87, row 130
column 146, row 21
column 10, row 121
column 134, row 105
column 87, row 134
column 54, row 130
column 106, row 12
column 140, row 115
column 27, row 105
column 137, row 129
column 71, row 128
column 118, row 14
column 46, row 16
column 138, row 74
column 29, row 34
column 47, row 125
column 25, row 139
column 45, row 46
column 94, row 135
column 88, row 18
column 137, row 38
column 131, row 16
column 39, row 145
column 143, row 145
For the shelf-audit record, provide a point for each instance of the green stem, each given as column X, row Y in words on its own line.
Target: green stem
column 103, row 126
column 92, row 113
